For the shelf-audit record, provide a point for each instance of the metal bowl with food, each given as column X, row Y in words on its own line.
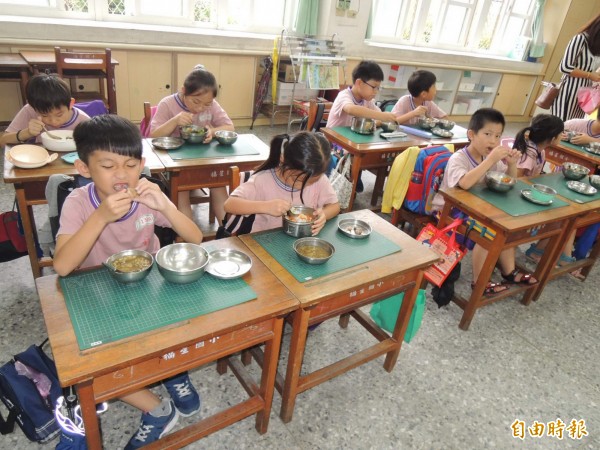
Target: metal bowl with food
column 167, row 143
column 314, row 250
column 427, row 123
column 61, row 141
column 445, row 124
column 129, row 266
column 354, row 228
column 595, row 181
column 441, row 132
column 389, row 127
column 193, row 134
column 298, row 221
column 573, row 171
column 225, row 137
column 593, row 147
column 499, row 181
column 182, row 263
column 362, row 125
column 581, row 187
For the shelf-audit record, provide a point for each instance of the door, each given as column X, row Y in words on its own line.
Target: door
column 514, row 93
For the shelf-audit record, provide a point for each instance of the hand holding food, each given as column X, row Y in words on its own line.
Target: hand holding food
column 35, row 126
column 184, row 118
column 420, row 111
column 277, row 207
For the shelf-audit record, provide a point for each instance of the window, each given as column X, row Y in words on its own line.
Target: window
column 489, row 26
column 262, row 16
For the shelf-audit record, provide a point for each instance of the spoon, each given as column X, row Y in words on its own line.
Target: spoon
column 53, row 136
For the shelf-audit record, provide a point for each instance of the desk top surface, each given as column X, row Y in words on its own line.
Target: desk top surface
column 74, row 365
column 576, row 150
column 12, row 60
column 48, row 57
column 411, row 257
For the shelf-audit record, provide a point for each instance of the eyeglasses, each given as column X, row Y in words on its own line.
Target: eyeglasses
column 375, row 88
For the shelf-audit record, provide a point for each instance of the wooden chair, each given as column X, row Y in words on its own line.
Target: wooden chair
column 236, row 225
column 416, row 221
column 89, row 65
column 318, row 114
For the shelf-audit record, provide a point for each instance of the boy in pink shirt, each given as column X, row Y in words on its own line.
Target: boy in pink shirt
column 421, row 86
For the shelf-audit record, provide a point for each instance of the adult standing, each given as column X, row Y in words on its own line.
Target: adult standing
column 579, row 64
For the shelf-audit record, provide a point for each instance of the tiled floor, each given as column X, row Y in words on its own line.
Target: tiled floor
column 450, row 389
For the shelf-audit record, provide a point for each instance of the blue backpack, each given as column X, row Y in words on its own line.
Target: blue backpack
column 426, row 178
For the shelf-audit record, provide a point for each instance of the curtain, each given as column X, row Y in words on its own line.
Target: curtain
column 306, row 19
column 537, row 31
column 369, row 31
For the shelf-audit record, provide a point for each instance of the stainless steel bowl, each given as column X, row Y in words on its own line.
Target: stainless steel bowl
column 595, row 181
column 441, row 132
column 573, row 171
column 167, row 143
column 193, row 134
column 129, row 276
column 499, row 181
column 309, row 242
column 427, row 123
column 225, row 137
column 294, row 227
column 182, row 263
column 542, row 193
column 354, row 228
column 362, row 125
column 570, row 135
column 445, row 124
column 389, row 127
column 594, row 147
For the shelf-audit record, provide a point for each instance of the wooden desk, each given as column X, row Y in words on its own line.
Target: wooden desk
column 343, row 293
column 190, row 174
column 112, row 370
column 511, row 231
column 30, row 187
column 45, row 61
column 14, row 68
column 379, row 155
column 558, row 154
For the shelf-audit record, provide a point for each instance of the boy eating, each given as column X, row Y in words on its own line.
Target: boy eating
column 421, row 86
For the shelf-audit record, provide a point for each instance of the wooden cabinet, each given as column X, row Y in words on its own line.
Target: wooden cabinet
column 514, row 93
column 235, row 76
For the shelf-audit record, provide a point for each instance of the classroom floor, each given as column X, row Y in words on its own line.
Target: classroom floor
column 450, row 389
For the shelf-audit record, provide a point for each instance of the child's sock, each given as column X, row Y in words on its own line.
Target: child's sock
column 164, row 409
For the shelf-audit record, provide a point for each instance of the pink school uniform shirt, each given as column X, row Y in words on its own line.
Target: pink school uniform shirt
column 21, row 121
column 170, row 106
column 337, row 116
column 458, row 165
column 135, row 230
column 532, row 160
column 406, row 104
column 265, row 185
column 583, row 126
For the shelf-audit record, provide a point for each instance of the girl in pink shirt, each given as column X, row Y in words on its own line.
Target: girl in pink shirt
column 294, row 174
column 531, row 141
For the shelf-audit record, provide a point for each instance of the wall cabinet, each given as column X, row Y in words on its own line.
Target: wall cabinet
column 514, row 93
column 235, row 76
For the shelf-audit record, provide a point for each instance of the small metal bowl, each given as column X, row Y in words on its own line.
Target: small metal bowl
column 441, row 132
column 182, row 263
column 167, row 143
column 570, row 135
column 595, row 181
column 573, row 171
column 296, row 228
column 354, row 228
column 499, row 181
column 301, row 246
column 427, row 123
column 227, row 263
column 542, row 193
column 128, row 276
column 362, row 125
column 225, row 137
column 389, row 127
column 193, row 134
column 445, row 124
column 582, row 188
column 593, row 147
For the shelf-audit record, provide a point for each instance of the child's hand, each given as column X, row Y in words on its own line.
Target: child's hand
column 115, row 206
column 319, row 221
column 149, row 194
column 35, row 126
column 419, row 111
column 513, row 156
column 278, row 207
column 209, row 134
column 184, row 118
column 581, row 139
column 499, row 153
column 389, row 117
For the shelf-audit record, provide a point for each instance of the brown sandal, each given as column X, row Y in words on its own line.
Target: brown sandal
column 519, row 277
column 492, row 289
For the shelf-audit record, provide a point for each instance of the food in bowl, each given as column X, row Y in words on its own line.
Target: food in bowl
column 128, row 266
column 313, row 250
column 426, row 123
column 389, row 127
column 362, row 125
column 62, row 142
column 298, row 221
column 445, row 124
column 499, row 181
column 572, row 171
column 354, row 228
column 300, row 218
column 193, row 134
column 131, row 263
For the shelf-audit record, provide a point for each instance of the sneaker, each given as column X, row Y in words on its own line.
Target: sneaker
column 152, row 428
column 183, row 393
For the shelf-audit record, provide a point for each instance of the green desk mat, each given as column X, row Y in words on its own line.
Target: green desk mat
column 360, row 138
column 579, row 148
column 103, row 310
column 512, row 202
column 458, row 132
column 243, row 146
column 349, row 252
column 559, row 183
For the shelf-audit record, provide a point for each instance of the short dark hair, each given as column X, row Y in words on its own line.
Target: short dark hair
column 486, row 115
column 200, row 79
column 420, row 81
column 367, row 70
column 107, row 132
column 46, row 92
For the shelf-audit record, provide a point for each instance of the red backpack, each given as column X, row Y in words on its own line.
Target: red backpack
column 426, row 178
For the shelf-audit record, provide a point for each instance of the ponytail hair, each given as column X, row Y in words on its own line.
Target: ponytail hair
column 543, row 128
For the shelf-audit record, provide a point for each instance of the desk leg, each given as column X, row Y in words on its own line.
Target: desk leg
column 87, row 401
column 297, row 346
column 269, row 372
column 28, row 227
column 484, row 276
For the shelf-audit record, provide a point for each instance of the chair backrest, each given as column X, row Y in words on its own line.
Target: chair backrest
column 92, row 108
column 149, row 112
column 234, row 225
column 68, row 60
column 317, row 115
column 388, row 105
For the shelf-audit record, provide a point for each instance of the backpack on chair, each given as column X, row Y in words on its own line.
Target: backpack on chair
column 426, row 179
column 234, row 225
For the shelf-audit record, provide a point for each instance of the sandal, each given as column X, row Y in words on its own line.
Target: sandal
column 565, row 259
column 534, row 253
column 519, row 277
column 578, row 275
column 492, row 288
